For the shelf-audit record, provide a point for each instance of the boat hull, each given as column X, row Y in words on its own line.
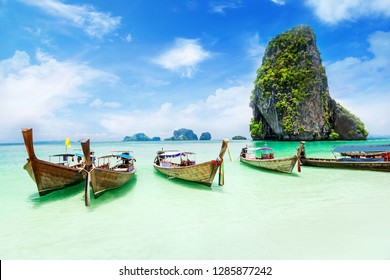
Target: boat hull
column 50, row 177
column 103, row 179
column 202, row 173
column 285, row 165
column 333, row 163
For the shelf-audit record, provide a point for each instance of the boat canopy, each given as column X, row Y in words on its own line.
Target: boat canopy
column 125, row 156
column 61, row 155
column 261, row 149
column 107, row 156
column 169, row 154
column 187, row 153
column 79, row 155
column 173, row 154
column 122, row 152
column 362, row 149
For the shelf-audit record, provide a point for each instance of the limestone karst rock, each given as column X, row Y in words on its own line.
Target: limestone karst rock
column 291, row 100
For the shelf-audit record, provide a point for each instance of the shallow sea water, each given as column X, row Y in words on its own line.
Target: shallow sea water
column 317, row 214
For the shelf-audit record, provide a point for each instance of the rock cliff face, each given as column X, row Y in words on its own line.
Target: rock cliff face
column 291, row 101
column 183, row 134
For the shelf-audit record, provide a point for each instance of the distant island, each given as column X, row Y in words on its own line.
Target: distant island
column 140, row 137
column 291, row 100
column 205, row 136
column 183, row 134
column 238, row 137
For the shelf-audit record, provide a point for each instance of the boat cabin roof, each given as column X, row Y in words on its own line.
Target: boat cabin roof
column 362, row 149
column 125, row 156
column 172, row 154
column 122, row 152
column 267, row 149
column 61, row 155
column 122, row 155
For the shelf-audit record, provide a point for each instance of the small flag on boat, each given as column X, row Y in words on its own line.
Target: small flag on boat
column 67, row 142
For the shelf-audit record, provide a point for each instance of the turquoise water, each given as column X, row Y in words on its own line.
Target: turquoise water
column 317, row 214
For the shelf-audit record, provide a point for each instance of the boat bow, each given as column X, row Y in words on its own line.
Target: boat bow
column 87, row 168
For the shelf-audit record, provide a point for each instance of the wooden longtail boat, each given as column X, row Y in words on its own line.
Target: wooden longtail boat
column 267, row 160
column 47, row 175
column 359, row 157
column 109, row 172
column 189, row 170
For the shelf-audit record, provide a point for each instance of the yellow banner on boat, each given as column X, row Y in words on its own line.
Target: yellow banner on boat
column 67, row 142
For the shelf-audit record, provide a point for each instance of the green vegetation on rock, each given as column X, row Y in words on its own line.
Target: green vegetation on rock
column 287, row 75
column 256, row 129
column 334, row 136
column 348, row 125
column 291, row 100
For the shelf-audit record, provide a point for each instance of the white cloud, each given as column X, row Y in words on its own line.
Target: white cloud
column 184, row 57
column 40, row 34
column 192, row 5
column 279, row 2
column 334, row 11
column 19, row 61
column 95, row 24
column 98, row 103
column 362, row 84
column 42, row 57
column 254, row 48
column 224, row 114
column 129, row 38
column 42, row 95
column 35, row 32
column 220, row 6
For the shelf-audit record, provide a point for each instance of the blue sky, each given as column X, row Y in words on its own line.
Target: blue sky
column 107, row 69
